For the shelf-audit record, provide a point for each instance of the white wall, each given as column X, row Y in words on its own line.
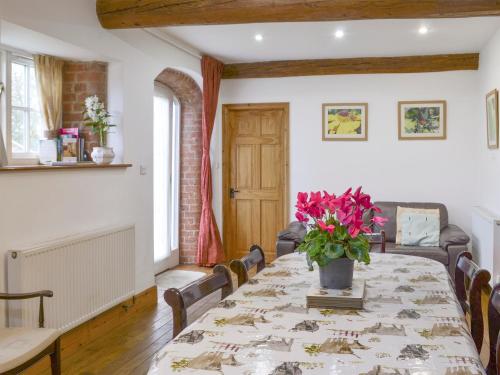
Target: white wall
column 488, row 159
column 388, row 169
column 41, row 206
column 485, row 235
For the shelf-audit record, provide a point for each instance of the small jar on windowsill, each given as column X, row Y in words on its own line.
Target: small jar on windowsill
column 103, row 155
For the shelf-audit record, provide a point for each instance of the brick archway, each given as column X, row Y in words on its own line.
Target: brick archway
column 190, row 98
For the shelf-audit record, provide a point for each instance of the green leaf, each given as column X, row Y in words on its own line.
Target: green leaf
column 333, row 250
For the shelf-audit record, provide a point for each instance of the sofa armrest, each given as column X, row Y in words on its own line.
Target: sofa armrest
column 453, row 235
column 296, row 231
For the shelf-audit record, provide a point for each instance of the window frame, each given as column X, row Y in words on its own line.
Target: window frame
column 8, row 58
column 173, row 182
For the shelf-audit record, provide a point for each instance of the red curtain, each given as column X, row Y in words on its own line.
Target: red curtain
column 209, row 242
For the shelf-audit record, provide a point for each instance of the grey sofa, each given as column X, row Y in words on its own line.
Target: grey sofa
column 452, row 242
column 290, row 238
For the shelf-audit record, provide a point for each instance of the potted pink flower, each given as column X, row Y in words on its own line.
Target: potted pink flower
column 337, row 233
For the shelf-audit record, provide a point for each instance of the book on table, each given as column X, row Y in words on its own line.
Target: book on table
column 318, row 297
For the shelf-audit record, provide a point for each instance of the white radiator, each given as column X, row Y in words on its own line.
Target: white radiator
column 486, row 241
column 88, row 274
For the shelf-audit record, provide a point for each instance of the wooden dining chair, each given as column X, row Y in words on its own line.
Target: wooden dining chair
column 469, row 283
column 181, row 299
column 22, row 347
column 240, row 267
column 493, row 367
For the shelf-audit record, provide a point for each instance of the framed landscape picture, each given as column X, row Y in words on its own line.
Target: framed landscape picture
column 492, row 118
column 345, row 122
column 422, row 120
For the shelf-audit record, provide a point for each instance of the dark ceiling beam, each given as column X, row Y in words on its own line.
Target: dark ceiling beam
column 117, row 14
column 362, row 65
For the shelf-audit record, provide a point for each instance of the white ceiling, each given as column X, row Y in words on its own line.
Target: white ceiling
column 26, row 40
column 315, row 40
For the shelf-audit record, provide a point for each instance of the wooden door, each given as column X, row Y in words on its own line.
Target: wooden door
column 255, row 176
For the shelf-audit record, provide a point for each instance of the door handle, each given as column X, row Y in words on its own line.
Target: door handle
column 232, row 191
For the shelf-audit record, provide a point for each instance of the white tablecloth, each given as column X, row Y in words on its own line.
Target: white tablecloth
column 411, row 324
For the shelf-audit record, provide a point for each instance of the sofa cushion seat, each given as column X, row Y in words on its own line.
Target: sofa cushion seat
column 436, row 253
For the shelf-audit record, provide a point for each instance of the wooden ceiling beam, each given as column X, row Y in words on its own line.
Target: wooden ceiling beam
column 116, row 14
column 363, row 65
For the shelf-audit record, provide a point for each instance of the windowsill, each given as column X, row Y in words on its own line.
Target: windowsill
column 36, row 168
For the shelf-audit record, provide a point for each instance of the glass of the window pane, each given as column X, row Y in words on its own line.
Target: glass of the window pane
column 19, row 119
column 35, row 131
column 18, row 85
column 34, row 101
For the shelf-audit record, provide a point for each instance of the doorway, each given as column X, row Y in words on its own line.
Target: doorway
column 255, row 176
column 166, row 178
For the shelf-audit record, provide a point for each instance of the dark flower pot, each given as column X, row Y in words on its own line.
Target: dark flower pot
column 337, row 274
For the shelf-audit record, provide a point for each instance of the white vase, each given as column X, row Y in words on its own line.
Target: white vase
column 102, row 155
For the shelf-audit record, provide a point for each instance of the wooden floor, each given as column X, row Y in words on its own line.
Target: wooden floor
column 129, row 348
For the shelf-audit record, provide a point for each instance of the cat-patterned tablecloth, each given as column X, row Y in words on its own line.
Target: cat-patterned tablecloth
column 411, row 324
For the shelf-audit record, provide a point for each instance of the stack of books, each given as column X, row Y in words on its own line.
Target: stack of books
column 68, row 148
column 351, row 298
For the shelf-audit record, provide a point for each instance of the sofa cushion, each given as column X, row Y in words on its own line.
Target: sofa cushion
column 417, row 226
column 389, row 211
column 435, row 253
column 295, row 232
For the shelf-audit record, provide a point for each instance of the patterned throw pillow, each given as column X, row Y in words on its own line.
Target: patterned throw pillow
column 417, row 227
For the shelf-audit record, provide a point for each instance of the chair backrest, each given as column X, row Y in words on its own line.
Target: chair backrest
column 181, row 299
column 20, row 296
column 377, row 239
column 494, row 327
column 470, row 280
column 241, row 266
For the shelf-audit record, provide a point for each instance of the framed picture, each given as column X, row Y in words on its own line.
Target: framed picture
column 422, row 120
column 345, row 122
column 492, row 118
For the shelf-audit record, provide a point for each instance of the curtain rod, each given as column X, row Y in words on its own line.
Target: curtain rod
column 173, row 42
column 17, row 51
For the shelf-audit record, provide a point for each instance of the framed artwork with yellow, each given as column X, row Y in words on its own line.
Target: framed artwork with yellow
column 345, row 122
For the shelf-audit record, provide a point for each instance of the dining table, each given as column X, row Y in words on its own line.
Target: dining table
column 411, row 324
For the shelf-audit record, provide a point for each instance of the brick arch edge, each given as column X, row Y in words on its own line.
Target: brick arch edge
column 189, row 95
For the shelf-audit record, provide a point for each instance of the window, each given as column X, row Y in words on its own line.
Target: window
column 166, row 178
column 23, row 122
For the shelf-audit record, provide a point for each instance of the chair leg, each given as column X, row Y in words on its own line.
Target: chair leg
column 55, row 358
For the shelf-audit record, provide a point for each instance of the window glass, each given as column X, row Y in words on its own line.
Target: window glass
column 18, row 130
column 33, row 93
column 26, row 119
column 18, row 85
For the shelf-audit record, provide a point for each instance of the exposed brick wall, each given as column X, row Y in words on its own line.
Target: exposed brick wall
column 190, row 98
column 80, row 80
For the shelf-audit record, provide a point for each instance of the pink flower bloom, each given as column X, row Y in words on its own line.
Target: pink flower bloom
column 300, row 217
column 302, row 198
column 353, row 231
column 366, row 229
column 326, row 228
column 379, row 220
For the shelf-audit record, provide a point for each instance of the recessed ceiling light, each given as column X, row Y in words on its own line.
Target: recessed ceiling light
column 259, row 37
column 423, row 30
column 339, row 34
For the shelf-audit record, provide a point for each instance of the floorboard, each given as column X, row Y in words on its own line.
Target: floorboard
column 128, row 348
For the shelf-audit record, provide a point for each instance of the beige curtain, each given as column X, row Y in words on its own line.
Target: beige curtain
column 49, row 74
